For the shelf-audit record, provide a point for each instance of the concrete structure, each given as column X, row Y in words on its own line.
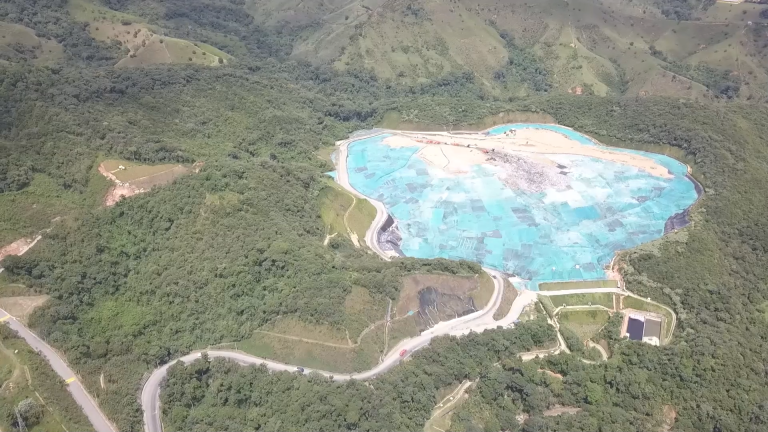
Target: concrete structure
column 652, row 331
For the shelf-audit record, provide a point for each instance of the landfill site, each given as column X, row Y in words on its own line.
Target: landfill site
column 541, row 202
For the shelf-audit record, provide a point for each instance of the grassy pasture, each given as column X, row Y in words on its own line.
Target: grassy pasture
column 599, row 299
column 41, row 51
column 342, row 213
column 142, row 42
column 585, row 323
column 330, row 358
column 573, row 285
column 134, row 171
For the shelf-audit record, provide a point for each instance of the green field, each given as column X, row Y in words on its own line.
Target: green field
column 573, row 285
column 330, row 358
column 598, row 299
column 584, row 323
column 134, row 171
column 344, row 214
column 361, row 217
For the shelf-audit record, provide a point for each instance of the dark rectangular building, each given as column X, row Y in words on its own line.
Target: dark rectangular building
column 635, row 328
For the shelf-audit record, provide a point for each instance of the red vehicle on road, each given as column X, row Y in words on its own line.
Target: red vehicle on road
column 402, row 353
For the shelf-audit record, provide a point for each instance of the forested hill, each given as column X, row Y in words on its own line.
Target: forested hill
column 215, row 255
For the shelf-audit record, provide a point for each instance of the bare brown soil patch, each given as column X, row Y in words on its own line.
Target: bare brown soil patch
column 22, row 307
column 436, row 298
column 445, row 284
column 552, row 374
column 559, row 410
column 669, row 416
column 472, row 149
column 17, row 248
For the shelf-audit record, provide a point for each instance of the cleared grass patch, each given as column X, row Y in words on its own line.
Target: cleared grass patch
column 325, row 153
column 137, row 178
column 22, row 307
column 573, row 285
column 345, row 214
column 584, row 323
column 290, row 326
column 362, row 310
column 334, row 204
column 334, row 359
column 598, row 299
column 13, row 290
column 507, row 298
column 482, row 295
column 134, row 171
column 362, row 314
column 361, row 217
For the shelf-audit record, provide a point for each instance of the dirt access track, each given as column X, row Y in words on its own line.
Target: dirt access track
column 457, row 152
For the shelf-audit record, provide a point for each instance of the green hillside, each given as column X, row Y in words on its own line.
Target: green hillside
column 244, row 244
column 582, row 46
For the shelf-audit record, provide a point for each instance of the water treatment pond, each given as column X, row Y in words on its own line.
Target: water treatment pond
column 542, row 202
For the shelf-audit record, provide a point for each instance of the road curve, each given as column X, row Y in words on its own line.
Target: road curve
column 87, row 403
column 342, row 177
column 480, row 320
column 477, row 321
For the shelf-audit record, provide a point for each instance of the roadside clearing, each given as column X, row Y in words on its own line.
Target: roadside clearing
column 440, row 420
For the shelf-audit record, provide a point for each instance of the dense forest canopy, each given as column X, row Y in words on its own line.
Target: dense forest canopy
column 216, row 254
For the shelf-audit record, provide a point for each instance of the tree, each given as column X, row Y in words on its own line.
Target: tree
column 30, row 411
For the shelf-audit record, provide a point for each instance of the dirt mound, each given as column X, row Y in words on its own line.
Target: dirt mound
column 18, row 247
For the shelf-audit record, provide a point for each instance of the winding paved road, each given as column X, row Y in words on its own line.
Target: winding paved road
column 476, row 321
column 87, row 403
column 150, row 396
